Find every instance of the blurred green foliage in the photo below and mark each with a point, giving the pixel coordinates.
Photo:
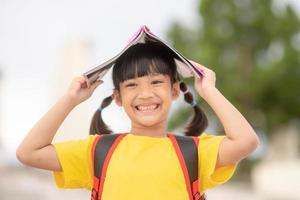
(253, 46)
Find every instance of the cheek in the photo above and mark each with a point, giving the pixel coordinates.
(127, 100)
(166, 98)
(166, 93)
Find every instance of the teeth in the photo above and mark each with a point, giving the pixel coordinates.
(145, 108)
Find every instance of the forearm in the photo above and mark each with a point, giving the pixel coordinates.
(45, 129)
(36, 149)
(235, 125)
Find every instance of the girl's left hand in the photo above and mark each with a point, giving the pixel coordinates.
(206, 82)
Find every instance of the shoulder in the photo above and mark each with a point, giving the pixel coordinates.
(208, 145)
(80, 141)
(207, 136)
(77, 145)
(206, 139)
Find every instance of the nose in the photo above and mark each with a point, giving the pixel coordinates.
(145, 92)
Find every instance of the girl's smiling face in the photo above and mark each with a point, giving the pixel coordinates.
(147, 99)
(146, 81)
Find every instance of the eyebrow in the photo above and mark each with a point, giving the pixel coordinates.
(152, 76)
(158, 75)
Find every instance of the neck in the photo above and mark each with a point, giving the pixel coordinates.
(158, 131)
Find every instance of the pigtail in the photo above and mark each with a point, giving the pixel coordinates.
(97, 125)
(199, 122)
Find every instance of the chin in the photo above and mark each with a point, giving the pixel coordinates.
(149, 122)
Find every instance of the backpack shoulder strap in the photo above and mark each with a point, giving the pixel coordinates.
(102, 150)
(186, 148)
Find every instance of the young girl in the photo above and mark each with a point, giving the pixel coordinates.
(144, 165)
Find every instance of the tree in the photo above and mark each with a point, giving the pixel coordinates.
(254, 48)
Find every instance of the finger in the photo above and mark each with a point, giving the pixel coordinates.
(199, 67)
(96, 84)
(197, 79)
(79, 79)
(83, 84)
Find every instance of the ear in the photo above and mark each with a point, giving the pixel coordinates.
(175, 90)
(117, 97)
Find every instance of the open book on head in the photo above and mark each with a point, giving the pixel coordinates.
(184, 67)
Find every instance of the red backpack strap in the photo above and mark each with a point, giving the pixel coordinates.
(102, 150)
(186, 148)
(196, 183)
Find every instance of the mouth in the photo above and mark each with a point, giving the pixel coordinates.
(147, 108)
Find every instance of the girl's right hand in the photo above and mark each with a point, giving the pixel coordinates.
(78, 90)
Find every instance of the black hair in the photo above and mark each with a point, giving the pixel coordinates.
(140, 60)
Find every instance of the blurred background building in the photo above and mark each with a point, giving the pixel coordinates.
(252, 45)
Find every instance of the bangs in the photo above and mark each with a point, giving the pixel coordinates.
(143, 60)
(142, 67)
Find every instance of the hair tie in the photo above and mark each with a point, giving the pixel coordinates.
(194, 103)
(186, 91)
(99, 109)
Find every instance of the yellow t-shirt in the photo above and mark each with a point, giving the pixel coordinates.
(141, 167)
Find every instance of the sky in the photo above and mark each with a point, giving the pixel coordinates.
(34, 35)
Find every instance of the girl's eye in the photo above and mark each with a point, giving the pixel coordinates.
(157, 82)
(130, 85)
